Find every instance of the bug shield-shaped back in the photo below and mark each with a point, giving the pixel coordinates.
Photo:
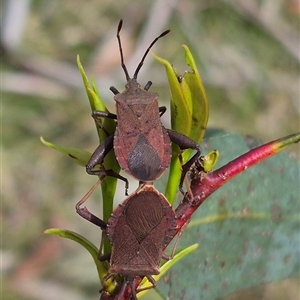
(139, 229)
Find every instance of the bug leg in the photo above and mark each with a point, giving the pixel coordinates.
(133, 292)
(186, 167)
(98, 155)
(151, 280)
(103, 257)
(85, 213)
(97, 115)
(103, 114)
(97, 159)
(162, 110)
(184, 143)
(122, 291)
(112, 173)
(147, 86)
(169, 257)
(185, 180)
(114, 90)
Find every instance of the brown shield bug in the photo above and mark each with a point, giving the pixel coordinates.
(141, 143)
(139, 229)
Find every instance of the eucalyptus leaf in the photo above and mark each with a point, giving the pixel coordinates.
(248, 230)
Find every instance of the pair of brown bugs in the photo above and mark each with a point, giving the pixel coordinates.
(144, 224)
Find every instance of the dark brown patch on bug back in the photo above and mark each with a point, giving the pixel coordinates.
(143, 161)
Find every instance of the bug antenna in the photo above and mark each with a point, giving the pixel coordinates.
(147, 51)
(121, 51)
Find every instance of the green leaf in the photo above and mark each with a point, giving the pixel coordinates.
(210, 160)
(200, 111)
(189, 113)
(91, 90)
(90, 247)
(181, 102)
(96, 103)
(81, 157)
(109, 184)
(248, 230)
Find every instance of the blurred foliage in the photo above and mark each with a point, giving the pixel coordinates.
(246, 52)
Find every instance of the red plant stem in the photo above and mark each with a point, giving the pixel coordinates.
(205, 185)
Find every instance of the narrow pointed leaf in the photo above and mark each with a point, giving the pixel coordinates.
(90, 247)
(189, 113)
(81, 157)
(181, 103)
(96, 103)
(200, 110)
(108, 184)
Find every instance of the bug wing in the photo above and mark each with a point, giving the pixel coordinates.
(137, 231)
(141, 144)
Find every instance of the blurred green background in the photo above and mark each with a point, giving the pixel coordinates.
(248, 56)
